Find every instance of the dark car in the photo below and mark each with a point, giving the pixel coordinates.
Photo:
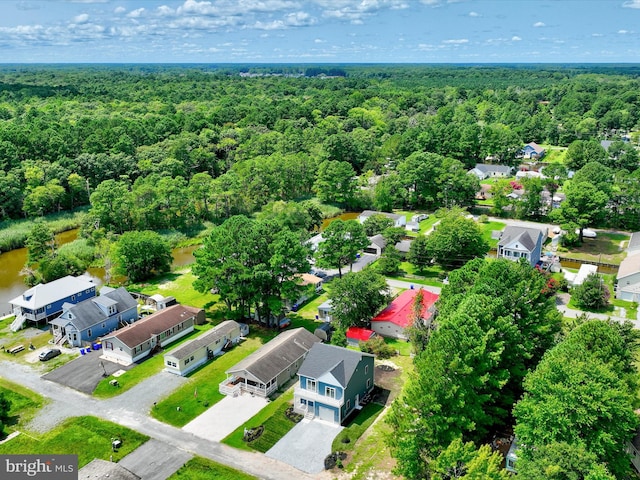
(49, 354)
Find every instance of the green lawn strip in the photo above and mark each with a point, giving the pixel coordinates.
(88, 437)
(371, 454)
(310, 309)
(199, 468)
(275, 422)
(143, 370)
(178, 284)
(24, 404)
(356, 428)
(432, 280)
(205, 381)
(487, 230)
(404, 348)
(606, 248)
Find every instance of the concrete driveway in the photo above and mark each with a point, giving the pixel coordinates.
(85, 372)
(225, 416)
(306, 445)
(155, 460)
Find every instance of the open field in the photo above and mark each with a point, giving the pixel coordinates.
(199, 468)
(24, 405)
(178, 284)
(608, 247)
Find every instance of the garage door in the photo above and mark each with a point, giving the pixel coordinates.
(327, 414)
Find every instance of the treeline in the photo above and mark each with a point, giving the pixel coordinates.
(66, 130)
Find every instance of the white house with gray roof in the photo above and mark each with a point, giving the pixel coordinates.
(270, 367)
(193, 353)
(84, 322)
(486, 170)
(628, 277)
(333, 382)
(398, 220)
(521, 242)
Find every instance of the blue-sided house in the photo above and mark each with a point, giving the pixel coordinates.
(45, 300)
(333, 381)
(522, 242)
(84, 322)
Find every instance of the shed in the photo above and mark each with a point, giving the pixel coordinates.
(324, 311)
(356, 335)
(324, 331)
(398, 316)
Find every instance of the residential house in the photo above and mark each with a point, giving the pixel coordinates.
(324, 311)
(606, 144)
(333, 381)
(193, 353)
(486, 170)
(311, 285)
(270, 367)
(512, 457)
(376, 246)
(633, 449)
(398, 220)
(533, 151)
(521, 242)
(394, 320)
(135, 342)
(520, 174)
(355, 335)
(575, 279)
(45, 300)
(628, 277)
(84, 322)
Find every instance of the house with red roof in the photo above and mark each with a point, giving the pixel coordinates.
(358, 334)
(393, 320)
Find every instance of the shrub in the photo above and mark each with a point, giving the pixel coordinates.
(378, 347)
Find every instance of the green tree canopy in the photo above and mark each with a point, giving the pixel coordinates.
(592, 294)
(342, 241)
(140, 255)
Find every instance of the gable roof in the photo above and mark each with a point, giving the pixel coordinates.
(340, 362)
(308, 279)
(528, 237)
(634, 243)
(486, 168)
(378, 240)
(87, 313)
(277, 355)
(44, 294)
(156, 323)
(219, 331)
(628, 266)
(399, 311)
(359, 333)
(535, 147)
(368, 213)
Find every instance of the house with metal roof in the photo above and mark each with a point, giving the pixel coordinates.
(521, 242)
(355, 335)
(486, 170)
(135, 342)
(270, 367)
(394, 320)
(193, 353)
(45, 300)
(533, 151)
(398, 220)
(83, 323)
(332, 382)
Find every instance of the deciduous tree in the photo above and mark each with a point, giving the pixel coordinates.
(140, 255)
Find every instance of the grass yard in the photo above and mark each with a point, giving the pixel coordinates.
(206, 380)
(606, 248)
(554, 154)
(402, 347)
(199, 468)
(88, 437)
(178, 284)
(352, 432)
(276, 426)
(427, 276)
(24, 404)
(488, 228)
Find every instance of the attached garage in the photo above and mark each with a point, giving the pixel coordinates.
(327, 414)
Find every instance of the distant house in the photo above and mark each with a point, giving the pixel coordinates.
(333, 381)
(310, 284)
(270, 367)
(324, 311)
(135, 342)
(45, 300)
(533, 151)
(355, 335)
(85, 322)
(628, 277)
(193, 353)
(398, 316)
(578, 279)
(403, 246)
(520, 174)
(521, 242)
(485, 170)
(633, 449)
(376, 246)
(398, 220)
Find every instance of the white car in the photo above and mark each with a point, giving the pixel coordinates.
(587, 233)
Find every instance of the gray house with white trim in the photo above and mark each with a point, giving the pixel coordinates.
(521, 242)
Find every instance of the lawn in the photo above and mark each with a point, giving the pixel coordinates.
(427, 276)
(24, 404)
(488, 228)
(199, 468)
(178, 284)
(143, 370)
(276, 425)
(615, 305)
(88, 437)
(205, 381)
(310, 309)
(403, 348)
(606, 248)
(347, 438)
(554, 154)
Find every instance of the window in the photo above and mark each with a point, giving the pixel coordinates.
(104, 325)
(73, 298)
(187, 361)
(49, 307)
(311, 385)
(368, 383)
(330, 392)
(89, 333)
(366, 369)
(348, 404)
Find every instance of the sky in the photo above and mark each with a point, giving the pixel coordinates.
(319, 31)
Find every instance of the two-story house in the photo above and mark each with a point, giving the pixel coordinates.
(521, 242)
(84, 322)
(333, 381)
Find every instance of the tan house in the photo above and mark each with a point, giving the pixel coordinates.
(270, 367)
(135, 342)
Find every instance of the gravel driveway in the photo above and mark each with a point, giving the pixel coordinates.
(306, 445)
(155, 460)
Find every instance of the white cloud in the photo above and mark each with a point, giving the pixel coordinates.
(165, 11)
(82, 18)
(539, 24)
(456, 41)
(516, 38)
(597, 35)
(474, 14)
(622, 32)
(119, 10)
(632, 4)
(137, 13)
(319, 40)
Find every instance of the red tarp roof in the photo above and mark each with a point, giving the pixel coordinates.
(399, 311)
(359, 333)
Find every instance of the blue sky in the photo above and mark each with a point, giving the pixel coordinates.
(319, 31)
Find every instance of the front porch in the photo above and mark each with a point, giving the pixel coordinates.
(234, 386)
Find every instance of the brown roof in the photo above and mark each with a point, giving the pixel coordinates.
(309, 279)
(154, 324)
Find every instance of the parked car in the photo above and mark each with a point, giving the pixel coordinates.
(587, 233)
(49, 354)
(284, 323)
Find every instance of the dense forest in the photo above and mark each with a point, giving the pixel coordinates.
(157, 147)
